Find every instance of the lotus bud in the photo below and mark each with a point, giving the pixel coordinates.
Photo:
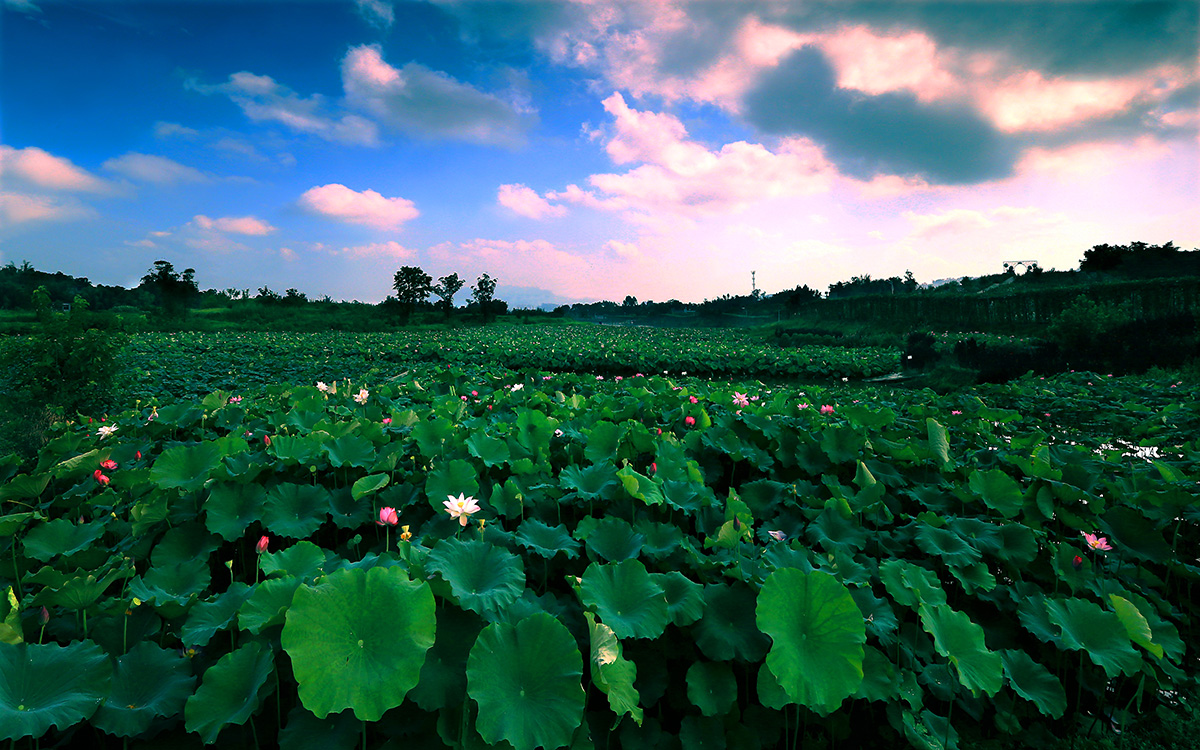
(261, 547)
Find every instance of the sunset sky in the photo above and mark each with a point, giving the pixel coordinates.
(593, 149)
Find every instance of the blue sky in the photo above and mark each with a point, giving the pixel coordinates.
(590, 150)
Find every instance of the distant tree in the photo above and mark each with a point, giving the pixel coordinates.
(412, 286)
(799, 298)
(910, 282)
(174, 291)
(483, 293)
(1103, 257)
(265, 294)
(294, 297)
(445, 289)
(630, 301)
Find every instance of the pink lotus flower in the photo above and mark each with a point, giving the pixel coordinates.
(464, 398)
(235, 399)
(461, 507)
(138, 455)
(956, 412)
(689, 421)
(388, 517)
(1095, 542)
(802, 407)
(261, 547)
(739, 399)
(693, 399)
(475, 393)
(99, 475)
(827, 409)
(387, 420)
(108, 465)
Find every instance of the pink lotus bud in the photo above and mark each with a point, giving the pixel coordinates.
(693, 399)
(388, 517)
(44, 616)
(387, 420)
(1077, 562)
(266, 440)
(138, 455)
(261, 547)
(689, 421)
(654, 468)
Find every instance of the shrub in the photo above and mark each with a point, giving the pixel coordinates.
(1083, 328)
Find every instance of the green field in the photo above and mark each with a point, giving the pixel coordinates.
(683, 539)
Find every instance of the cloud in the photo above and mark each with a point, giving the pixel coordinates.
(953, 221)
(173, 130)
(389, 249)
(264, 100)
(369, 208)
(525, 201)
(623, 249)
(376, 12)
(416, 100)
(16, 208)
(247, 225)
(22, 6)
(38, 169)
(155, 169)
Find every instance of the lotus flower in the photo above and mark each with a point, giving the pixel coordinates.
(1077, 562)
(827, 409)
(1095, 542)
(388, 517)
(106, 431)
(689, 421)
(261, 547)
(322, 387)
(461, 507)
(739, 399)
(235, 399)
(362, 395)
(108, 465)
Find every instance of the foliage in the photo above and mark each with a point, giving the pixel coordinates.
(412, 286)
(173, 291)
(647, 549)
(1082, 329)
(484, 293)
(445, 290)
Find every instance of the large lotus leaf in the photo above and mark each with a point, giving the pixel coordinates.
(626, 598)
(640, 486)
(612, 539)
(81, 590)
(484, 578)
(947, 545)
(1018, 544)
(350, 450)
(961, 641)
(206, 618)
(685, 598)
(491, 450)
(369, 484)
(1032, 612)
(443, 675)
(306, 732)
(662, 539)
(268, 604)
(546, 541)
(303, 560)
(451, 479)
(842, 444)
(230, 691)
(357, 640)
(728, 630)
(295, 511)
(60, 537)
(432, 434)
(817, 635)
(689, 497)
(1097, 632)
(13, 522)
(302, 449)
(711, 687)
(999, 491)
(24, 486)
(612, 673)
(50, 685)
(602, 442)
(1136, 626)
(1034, 683)
(185, 543)
(911, 585)
(172, 584)
(148, 681)
(1136, 535)
(534, 430)
(230, 508)
(186, 467)
(939, 441)
(525, 679)
(880, 681)
(591, 482)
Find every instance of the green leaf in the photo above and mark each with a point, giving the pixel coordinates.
(1034, 683)
(602, 441)
(306, 732)
(591, 482)
(1136, 626)
(50, 685)
(640, 487)
(961, 641)
(218, 613)
(728, 630)
(295, 511)
(185, 467)
(612, 539)
(939, 441)
(947, 545)
(546, 541)
(268, 604)
(303, 560)
(24, 486)
(626, 598)
(817, 634)
(483, 578)
(842, 444)
(350, 450)
(368, 484)
(525, 679)
(711, 687)
(61, 537)
(149, 681)
(612, 673)
(999, 491)
(911, 585)
(357, 640)
(451, 479)
(1133, 533)
(230, 691)
(230, 508)
(685, 598)
(1097, 632)
(491, 450)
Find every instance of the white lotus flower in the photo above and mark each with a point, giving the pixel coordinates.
(461, 507)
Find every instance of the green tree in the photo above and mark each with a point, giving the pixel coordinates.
(412, 285)
(174, 291)
(445, 289)
(483, 293)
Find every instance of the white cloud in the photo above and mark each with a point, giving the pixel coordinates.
(16, 208)
(377, 12)
(953, 221)
(155, 169)
(389, 249)
(623, 249)
(419, 101)
(525, 201)
(247, 225)
(41, 170)
(369, 208)
(173, 129)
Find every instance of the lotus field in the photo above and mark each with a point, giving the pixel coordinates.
(465, 554)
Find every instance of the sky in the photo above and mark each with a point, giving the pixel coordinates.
(591, 149)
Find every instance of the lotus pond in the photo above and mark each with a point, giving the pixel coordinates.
(634, 561)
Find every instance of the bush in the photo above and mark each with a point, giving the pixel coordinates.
(1083, 329)
(920, 351)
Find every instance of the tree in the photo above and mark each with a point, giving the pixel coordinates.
(446, 288)
(483, 293)
(629, 301)
(173, 290)
(412, 285)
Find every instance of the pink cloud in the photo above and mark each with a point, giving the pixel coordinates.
(247, 225)
(623, 249)
(389, 249)
(369, 208)
(953, 221)
(39, 169)
(1089, 159)
(525, 201)
(878, 63)
(16, 208)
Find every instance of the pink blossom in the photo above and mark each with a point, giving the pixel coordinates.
(108, 465)
(956, 412)
(693, 399)
(654, 467)
(387, 420)
(739, 399)
(1096, 542)
(689, 421)
(475, 393)
(261, 547)
(827, 409)
(802, 407)
(388, 516)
